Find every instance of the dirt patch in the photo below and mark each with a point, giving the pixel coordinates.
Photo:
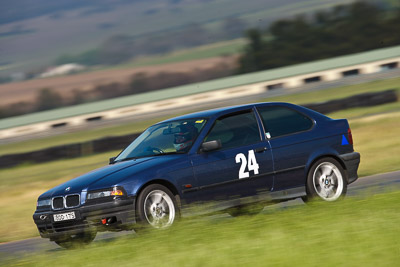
(27, 90)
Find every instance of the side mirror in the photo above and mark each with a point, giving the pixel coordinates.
(211, 145)
(112, 160)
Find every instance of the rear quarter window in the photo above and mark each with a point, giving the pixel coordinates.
(280, 121)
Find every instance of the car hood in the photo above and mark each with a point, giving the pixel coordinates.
(105, 177)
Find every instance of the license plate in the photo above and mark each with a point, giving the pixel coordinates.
(64, 216)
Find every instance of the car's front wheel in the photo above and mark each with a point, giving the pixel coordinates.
(326, 180)
(156, 207)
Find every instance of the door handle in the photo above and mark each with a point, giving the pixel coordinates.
(260, 149)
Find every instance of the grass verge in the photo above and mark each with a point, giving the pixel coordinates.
(353, 232)
(21, 186)
(377, 139)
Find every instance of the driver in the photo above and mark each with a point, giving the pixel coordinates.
(185, 137)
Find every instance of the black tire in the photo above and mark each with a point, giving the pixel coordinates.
(78, 240)
(326, 180)
(156, 207)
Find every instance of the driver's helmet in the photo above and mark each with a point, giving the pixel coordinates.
(185, 137)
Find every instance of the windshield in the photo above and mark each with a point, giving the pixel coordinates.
(164, 139)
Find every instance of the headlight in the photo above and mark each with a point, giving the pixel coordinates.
(116, 191)
(43, 202)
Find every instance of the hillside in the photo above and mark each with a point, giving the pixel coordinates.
(33, 36)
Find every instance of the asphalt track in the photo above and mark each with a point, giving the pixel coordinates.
(364, 186)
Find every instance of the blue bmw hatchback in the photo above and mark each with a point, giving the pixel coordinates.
(230, 158)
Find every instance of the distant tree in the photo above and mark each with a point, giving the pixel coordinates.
(48, 99)
(392, 26)
(16, 109)
(142, 82)
(345, 29)
(172, 79)
(253, 57)
(78, 97)
(110, 90)
(139, 83)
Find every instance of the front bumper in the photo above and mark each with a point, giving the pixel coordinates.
(351, 162)
(121, 211)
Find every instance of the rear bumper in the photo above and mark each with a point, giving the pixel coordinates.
(351, 162)
(121, 212)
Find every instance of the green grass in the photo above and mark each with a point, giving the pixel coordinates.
(378, 142)
(377, 139)
(353, 232)
(20, 187)
(365, 112)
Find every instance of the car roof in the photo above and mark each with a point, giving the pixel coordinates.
(210, 113)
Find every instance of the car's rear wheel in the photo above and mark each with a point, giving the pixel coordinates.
(156, 207)
(326, 180)
(77, 240)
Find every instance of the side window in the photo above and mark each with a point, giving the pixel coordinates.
(235, 130)
(280, 121)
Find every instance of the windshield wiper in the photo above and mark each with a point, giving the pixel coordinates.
(155, 155)
(126, 159)
(168, 153)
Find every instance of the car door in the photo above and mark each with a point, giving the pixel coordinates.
(291, 139)
(242, 167)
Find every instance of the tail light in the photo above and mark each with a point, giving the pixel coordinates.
(350, 136)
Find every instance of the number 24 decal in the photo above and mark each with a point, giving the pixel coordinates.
(251, 164)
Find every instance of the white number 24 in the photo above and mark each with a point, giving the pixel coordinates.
(251, 164)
